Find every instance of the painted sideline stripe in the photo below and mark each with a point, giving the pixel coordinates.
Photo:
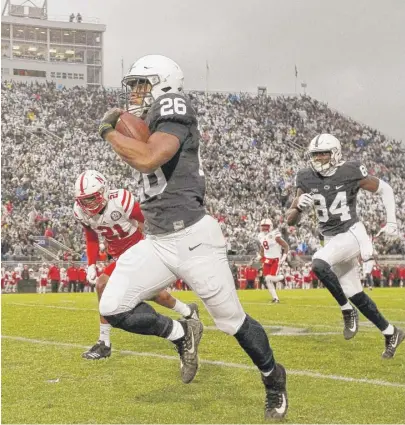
(307, 373)
(311, 306)
(265, 324)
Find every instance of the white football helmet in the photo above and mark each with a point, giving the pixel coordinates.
(149, 78)
(91, 192)
(266, 225)
(325, 143)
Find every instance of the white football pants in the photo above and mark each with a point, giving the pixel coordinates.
(196, 254)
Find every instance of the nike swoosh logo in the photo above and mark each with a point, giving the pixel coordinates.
(353, 328)
(283, 406)
(191, 248)
(338, 187)
(192, 349)
(396, 343)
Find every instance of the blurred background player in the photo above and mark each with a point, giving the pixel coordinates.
(330, 185)
(307, 278)
(43, 278)
(273, 253)
(114, 215)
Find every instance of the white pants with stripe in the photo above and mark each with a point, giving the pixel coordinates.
(196, 254)
(341, 252)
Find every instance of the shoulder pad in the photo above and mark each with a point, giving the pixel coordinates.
(124, 200)
(171, 107)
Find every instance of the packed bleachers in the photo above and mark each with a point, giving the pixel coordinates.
(251, 149)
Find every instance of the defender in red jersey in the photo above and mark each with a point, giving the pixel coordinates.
(115, 216)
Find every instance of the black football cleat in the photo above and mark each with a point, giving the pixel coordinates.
(276, 403)
(97, 352)
(351, 322)
(275, 301)
(392, 342)
(187, 347)
(195, 314)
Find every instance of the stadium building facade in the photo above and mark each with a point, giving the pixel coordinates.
(35, 48)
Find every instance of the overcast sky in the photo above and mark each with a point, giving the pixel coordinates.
(351, 53)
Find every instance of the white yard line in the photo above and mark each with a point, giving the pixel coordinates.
(266, 304)
(307, 373)
(266, 324)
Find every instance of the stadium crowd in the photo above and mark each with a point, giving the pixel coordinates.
(251, 149)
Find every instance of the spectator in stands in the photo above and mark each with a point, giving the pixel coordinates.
(71, 17)
(48, 232)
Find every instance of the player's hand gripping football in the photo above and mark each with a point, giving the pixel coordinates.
(390, 229)
(305, 201)
(109, 121)
(92, 273)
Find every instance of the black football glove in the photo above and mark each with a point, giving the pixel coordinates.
(109, 121)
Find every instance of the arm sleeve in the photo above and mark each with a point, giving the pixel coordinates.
(136, 213)
(91, 245)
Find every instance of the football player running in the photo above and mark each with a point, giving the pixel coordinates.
(273, 253)
(182, 240)
(115, 216)
(330, 185)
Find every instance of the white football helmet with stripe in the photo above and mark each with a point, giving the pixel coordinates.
(91, 192)
(266, 225)
(149, 78)
(325, 143)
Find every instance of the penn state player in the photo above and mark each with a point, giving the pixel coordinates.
(330, 185)
(182, 241)
(114, 215)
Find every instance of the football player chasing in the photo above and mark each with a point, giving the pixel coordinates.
(182, 240)
(273, 253)
(114, 215)
(330, 185)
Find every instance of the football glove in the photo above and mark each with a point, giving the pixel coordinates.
(109, 121)
(92, 273)
(305, 201)
(390, 229)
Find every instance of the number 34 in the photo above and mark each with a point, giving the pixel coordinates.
(171, 106)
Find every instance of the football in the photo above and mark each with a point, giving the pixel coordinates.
(132, 126)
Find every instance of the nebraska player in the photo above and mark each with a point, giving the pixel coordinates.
(306, 273)
(114, 215)
(43, 278)
(273, 252)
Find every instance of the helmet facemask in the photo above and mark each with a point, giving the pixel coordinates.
(137, 93)
(94, 203)
(323, 164)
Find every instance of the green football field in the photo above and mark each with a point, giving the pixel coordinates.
(330, 380)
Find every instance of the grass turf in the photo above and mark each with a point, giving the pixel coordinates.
(44, 379)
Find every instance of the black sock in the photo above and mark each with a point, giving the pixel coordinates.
(367, 306)
(329, 279)
(144, 320)
(253, 339)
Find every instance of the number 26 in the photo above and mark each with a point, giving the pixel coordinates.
(170, 106)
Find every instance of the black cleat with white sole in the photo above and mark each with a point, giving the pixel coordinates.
(351, 322)
(187, 347)
(392, 342)
(97, 352)
(276, 403)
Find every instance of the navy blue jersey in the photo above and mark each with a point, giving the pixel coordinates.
(172, 197)
(334, 196)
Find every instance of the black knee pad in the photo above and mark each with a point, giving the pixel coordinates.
(143, 320)
(320, 267)
(253, 339)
